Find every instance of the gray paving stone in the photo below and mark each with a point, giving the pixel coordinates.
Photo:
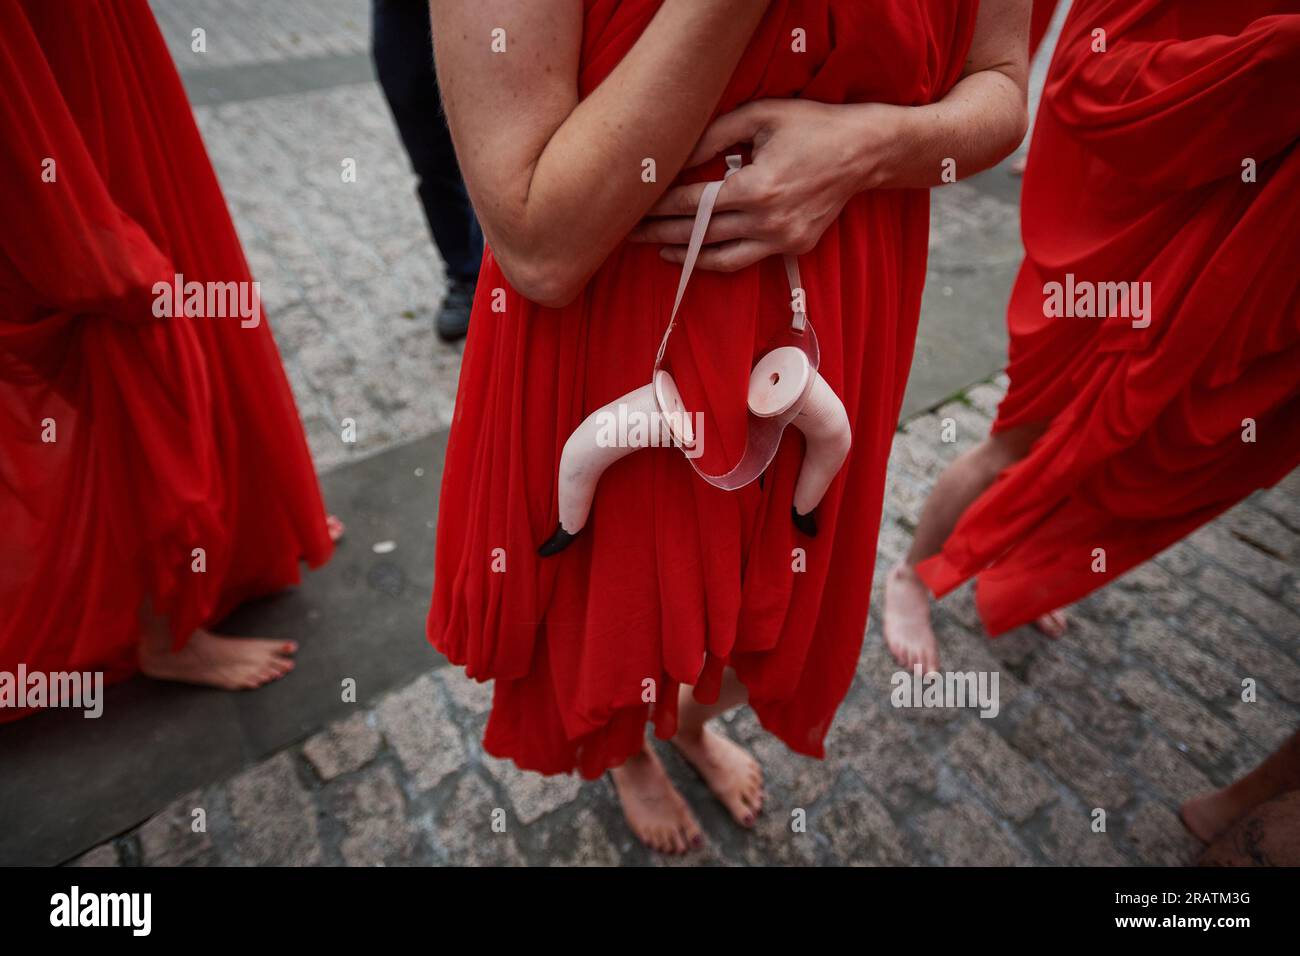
(1169, 771)
(103, 855)
(1260, 568)
(241, 32)
(170, 838)
(1220, 633)
(1190, 725)
(1069, 840)
(420, 729)
(985, 398)
(344, 746)
(468, 695)
(1265, 613)
(1167, 649)
(800, 781)
(1160, 592)
(1092, 773)
(1159, 838)
(960, 606)
(969, 427)
(1009, 781)
(1261, 527)
(881, 750)
(963, 834)
(1017, 649)
(464, 827)
(373, 813)
(1075, 691)
(531, 795)
(274, 816)
(773, 840)
(1180, 559)
(1283, 502)
(1263, 722)
(861, 832)
(582, 842)
(1099, 642)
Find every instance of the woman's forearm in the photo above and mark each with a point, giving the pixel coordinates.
(980, 122)
(587, 190)
(554, 216)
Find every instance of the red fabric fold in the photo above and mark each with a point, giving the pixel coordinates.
(171, 433)
(1136, 175)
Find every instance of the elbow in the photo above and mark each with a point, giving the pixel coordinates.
(1005, 140)
(542, 279)
(1019, 127)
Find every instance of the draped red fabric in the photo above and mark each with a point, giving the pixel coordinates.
(672, 578)
(127, 440)
(1169, 158)
(1039, 20)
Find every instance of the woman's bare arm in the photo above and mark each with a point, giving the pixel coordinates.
(557, 183)
(982, 119)
(810, 158)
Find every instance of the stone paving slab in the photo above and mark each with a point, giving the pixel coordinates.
(245, 32)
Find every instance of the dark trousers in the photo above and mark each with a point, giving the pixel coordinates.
(403, 50)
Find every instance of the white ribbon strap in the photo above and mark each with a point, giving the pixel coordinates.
(702, 216)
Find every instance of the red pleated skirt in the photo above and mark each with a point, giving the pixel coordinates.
(144, 458)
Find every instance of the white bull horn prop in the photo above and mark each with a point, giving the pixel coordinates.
(785, 388)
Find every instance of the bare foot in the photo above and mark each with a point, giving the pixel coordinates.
(908, 633)
(1211, 814)
(727, 768)
(1054, 624)
(654, 809)
(1267, 835)
(231, 663)
(334, 527)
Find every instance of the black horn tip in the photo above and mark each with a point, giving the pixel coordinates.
(557, 542)
(805, 523)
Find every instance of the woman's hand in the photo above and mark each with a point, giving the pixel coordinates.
(809, 159)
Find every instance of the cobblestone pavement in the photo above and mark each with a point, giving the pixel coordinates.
(1136, 709)
(246, 32)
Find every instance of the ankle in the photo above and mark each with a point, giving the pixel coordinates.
(691, 733)
(904, 570)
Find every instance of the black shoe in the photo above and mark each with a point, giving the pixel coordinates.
(453, 317)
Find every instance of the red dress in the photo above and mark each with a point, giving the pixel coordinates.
(169, 434)
(672, 578)
(1136, 175)
(1039, 21)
